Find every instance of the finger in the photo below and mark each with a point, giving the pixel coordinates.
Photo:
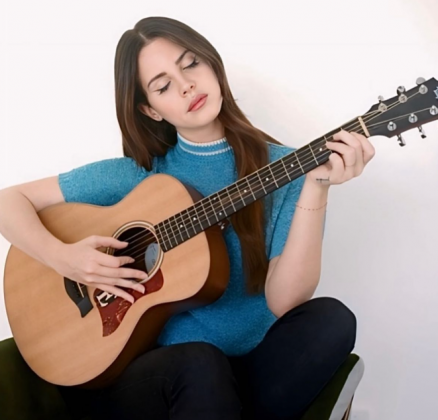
(352, 140)
(124, 273)
(368, 150)
(338, 170)
(111, 281)
(359, 153)
(113, 261)
(115, 291)
(348, 153)
(107, 241)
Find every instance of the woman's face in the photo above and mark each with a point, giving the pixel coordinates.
(170, 95)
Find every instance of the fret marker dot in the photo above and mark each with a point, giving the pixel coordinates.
(292, 164)
(244, 190)
(220, 213)
(320, 149)
(180, 226)
(267, 179)
(194, 218)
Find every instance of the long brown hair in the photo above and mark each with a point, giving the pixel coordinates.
(144, 138)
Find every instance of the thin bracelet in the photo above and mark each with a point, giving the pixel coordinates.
(319, 208)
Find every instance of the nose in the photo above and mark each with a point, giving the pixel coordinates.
(187, 87)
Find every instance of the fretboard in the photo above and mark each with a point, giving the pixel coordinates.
(212, 209)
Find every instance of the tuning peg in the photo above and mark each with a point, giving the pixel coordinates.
(382, 106)
(401, 89)
(423, 134)
(401, 140)
(420, 81)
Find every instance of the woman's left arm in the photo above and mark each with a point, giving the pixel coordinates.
(296, 274)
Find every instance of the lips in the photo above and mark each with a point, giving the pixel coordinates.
(195, 100)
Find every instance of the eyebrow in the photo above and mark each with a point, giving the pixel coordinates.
(164, 73)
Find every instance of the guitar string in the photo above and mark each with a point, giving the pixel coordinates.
(225, 203)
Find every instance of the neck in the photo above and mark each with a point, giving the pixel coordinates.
(206, 134)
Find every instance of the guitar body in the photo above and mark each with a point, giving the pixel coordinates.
(66, 344)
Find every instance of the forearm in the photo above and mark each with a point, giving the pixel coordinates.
(297, 272)
(21, 226)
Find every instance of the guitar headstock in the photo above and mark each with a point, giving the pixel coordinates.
(408, 109)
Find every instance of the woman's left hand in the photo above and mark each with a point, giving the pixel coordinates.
(354, 151)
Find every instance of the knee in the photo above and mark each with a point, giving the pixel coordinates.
(337, 320)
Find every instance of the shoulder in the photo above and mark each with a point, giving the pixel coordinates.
(103, 182)
(276, 151)
(111, 167)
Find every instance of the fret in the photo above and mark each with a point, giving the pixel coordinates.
(222, 204)
(316, 160)
(231, 200)
(273, 176)
(214, 209)
(206, 213)
(265, 174)
(195, 217)
(293, 163)
(246, 191)
(261, 182)
(160, 236)
(249, 186)
(184, 225)
(321, 149)
(243, 201)
(165, 231)
(256, 184)
(284, 166)
(172, 228)
(299, 163)
(186, 211)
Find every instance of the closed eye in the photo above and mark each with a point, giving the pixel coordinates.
(194, 64)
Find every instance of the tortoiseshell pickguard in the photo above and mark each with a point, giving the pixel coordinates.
(113, 313)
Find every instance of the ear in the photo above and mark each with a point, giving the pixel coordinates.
(150, 112)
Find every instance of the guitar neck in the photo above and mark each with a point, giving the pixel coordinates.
(229, 200)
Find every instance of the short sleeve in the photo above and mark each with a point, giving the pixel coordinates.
(102, 183)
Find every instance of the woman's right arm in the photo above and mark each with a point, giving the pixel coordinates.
(19, 222)
(80, 261)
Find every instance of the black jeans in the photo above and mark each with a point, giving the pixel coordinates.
(278, 379)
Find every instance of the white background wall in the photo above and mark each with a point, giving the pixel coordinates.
(298, 70)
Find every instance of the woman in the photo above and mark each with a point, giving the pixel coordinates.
(265, 349)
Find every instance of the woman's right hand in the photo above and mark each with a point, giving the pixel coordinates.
(82, 262)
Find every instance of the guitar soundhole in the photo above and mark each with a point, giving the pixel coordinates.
(144, 248)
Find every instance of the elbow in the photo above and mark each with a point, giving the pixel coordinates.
(280, 307)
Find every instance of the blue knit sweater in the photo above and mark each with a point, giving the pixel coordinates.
(236, 322)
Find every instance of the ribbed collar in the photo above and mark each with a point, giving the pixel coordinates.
(202, 149)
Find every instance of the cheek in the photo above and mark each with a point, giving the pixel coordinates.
(171, 109)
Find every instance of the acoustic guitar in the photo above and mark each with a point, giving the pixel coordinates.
(72, 334)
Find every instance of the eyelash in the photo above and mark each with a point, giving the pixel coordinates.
(194, 64)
